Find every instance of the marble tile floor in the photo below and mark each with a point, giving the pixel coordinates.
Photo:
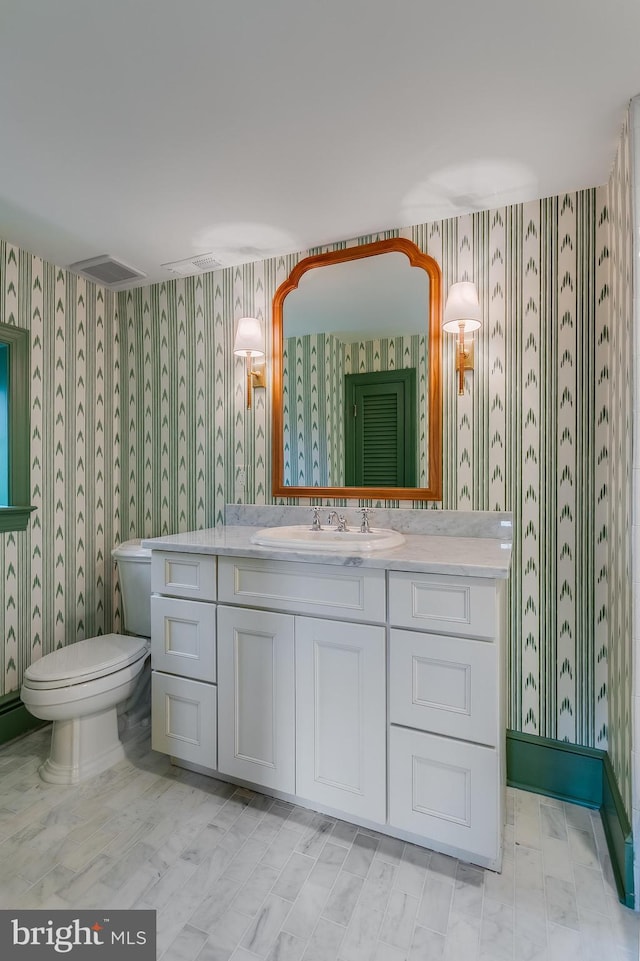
(237, 876)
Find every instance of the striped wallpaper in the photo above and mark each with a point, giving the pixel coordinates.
(57, 576)
(139, 428)
(614, 514)
(313, 410)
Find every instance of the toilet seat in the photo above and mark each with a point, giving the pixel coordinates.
(86, 660)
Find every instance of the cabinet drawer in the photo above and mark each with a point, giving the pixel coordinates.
(448, 685)
(183, 719)
(445, 605)
(183, 637)
(448, 791)
(341, 591)
(181, 574)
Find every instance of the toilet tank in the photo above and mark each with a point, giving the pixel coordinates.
(134, 574)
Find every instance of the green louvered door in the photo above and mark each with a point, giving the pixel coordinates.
(380, 429)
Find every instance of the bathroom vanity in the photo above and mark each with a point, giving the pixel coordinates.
(369, 687)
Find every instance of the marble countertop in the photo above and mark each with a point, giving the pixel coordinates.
(427, 553)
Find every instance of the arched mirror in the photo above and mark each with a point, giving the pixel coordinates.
(357, 402)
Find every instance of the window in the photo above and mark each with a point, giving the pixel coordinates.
(15, 491)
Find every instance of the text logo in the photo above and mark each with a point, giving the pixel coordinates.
(80, 935)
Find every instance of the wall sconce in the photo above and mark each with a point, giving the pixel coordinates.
(462, 314)
(248, 343)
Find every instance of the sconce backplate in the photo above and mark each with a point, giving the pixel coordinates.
(258, 376)
(466, 357)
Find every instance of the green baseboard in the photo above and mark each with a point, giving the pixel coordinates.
(580, 775)
(618, 833)
(16, 720)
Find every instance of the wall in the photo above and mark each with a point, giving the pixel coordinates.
(57, 576)
(617, 451)
(523, 437)
(630, 146)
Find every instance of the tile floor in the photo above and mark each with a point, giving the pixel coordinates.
(236, 876)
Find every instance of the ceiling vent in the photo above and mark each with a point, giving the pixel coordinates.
(107, 271)
(194, 265)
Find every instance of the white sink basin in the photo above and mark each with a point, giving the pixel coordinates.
(328, 539)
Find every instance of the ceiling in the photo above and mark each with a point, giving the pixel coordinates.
(157, 130)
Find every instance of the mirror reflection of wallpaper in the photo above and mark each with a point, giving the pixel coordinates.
(313, 411)
(313, 400)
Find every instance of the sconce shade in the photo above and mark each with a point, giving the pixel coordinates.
(249, 340)
(463, 307)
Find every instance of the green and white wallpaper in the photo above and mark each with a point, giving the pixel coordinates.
(614, 510)
(139, 427)
(313, 410)
(57, 576)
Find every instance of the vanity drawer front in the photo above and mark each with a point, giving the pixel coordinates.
(446, 790)
(445, 605)
(183, 719)
(448, 685)
(183, 637)
(181, 574)
(341, 591)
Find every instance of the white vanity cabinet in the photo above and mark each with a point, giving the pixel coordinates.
(183, 657)
(301, 707)
(446, 737)
(302, 700)
(369, 693)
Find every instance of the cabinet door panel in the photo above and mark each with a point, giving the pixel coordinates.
(446, 790)
(256, 697)
(183, 719)
(340, 710)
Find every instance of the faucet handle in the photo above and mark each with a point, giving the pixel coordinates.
(364, 527)
(315, 519)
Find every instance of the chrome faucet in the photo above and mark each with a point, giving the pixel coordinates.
(364, 527)
(340, 518)
(315, 521)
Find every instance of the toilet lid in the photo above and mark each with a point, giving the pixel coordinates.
(86, 660)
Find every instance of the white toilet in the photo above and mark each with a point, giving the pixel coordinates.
(80, 687)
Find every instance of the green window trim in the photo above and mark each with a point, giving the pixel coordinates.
(14, 518)
(15, 515)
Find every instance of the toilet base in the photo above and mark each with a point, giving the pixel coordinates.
(83, 747)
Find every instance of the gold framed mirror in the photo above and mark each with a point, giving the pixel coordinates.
(356, 382)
